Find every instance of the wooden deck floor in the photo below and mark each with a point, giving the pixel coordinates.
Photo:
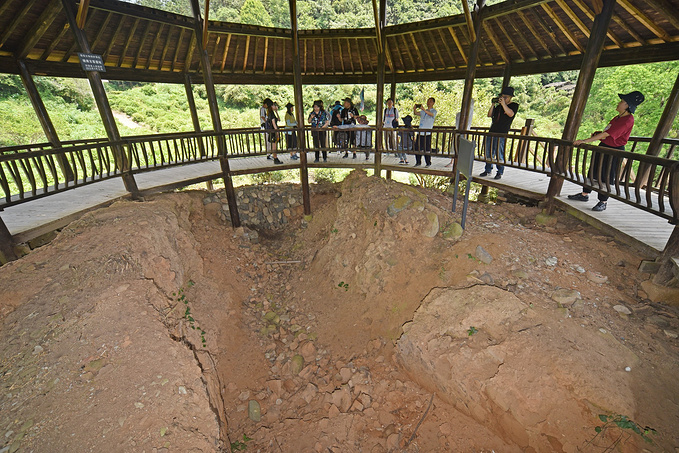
(34, 218)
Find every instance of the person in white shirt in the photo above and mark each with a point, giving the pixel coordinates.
(423, 144)
(391, 118)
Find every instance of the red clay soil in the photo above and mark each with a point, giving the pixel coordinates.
(155, 327)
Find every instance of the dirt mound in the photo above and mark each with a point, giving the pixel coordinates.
(154, 326)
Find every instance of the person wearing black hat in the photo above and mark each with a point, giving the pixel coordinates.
(291, 135)
(615, 135)
(349, 114)
(502, 112)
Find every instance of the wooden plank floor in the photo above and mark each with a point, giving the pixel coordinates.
(36, 217)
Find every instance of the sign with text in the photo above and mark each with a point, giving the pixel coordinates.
(91, 62)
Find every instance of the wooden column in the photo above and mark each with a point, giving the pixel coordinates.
(214, 115)
(380, 20)
(392, 93)
(6, 243)
(44, 118)
(666, 272)
(465, 110)
(299, 109)
(103, 106)
(507, 76)
(194, 119)
(590, 62)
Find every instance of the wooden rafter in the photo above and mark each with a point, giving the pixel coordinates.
(141, 43)
(204, 36)
(359, 54)
(235, 54)
(668, 11)
(511, 40)
(275, 55)
(305, 56)
(548, 31)
(432, 38)
(538, 37)
(314, 46)
(215, 51)
(188, 59)
(82, 13)
(285, 49)
(64, 29)
(69, 52)
(458, 44)
(247, 53)
(564, 29)
(644, 20)
(516, 31)
(590, 15)
(102, 30)
(163, 54)
(496, 42)
(266, 52)
(470, 21)
(226, 52)
(175, 57)
(341, 55)
(255, 54)
(39, 28)
(9, 29)
(114, 38)
(418, 53)
(428, 53)
(625, 26)
(410, 54)
(154, 45)
(482, 47)
(121, 58)
(368, 53)
(351, 55)
(443, 39)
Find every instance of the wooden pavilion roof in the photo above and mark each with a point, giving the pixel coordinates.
(144, 44)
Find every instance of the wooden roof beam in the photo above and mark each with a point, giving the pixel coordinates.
(113, 39)
(9, 29)
(431, 36)
(121, 58)
(247, 52)
(510, 7)
(496, 42)
(668, 10)
(469, 21)
(39, 28)
(590, 15)
(410, 54)
(564, 29)
(166, 46)
(418, 52)
(644, 20)
(351, 55)
(82, 13)
(625, 26)
(444, 40)
(360, 56)
(193, 43)
(142, 12)
(458, 44)
(235, 55)
(55, 41)
(266, 53)
(254, 55)
(341, 55)
(141, 44)
(226, 52)
(102, 30)
(512, 41)
(517, 32)
(548, 30)
(215, 51)
(154, 45)
(205, 24)
(529, 25)
(180, 38)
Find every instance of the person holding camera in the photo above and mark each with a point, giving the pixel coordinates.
(427, 117)
(502, 111)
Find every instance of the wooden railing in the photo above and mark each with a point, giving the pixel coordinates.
(35, 171)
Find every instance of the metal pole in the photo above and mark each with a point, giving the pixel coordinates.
(465, 111)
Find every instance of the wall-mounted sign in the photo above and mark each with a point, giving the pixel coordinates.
(91, 62)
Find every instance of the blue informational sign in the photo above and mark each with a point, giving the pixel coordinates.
(91, 62)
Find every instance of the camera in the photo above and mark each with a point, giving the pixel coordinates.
(495, 100)
(418, 106)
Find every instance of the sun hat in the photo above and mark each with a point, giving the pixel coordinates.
(289, 104)
(633, 100)
(509, 91)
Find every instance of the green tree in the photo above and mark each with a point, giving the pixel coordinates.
(253, 12)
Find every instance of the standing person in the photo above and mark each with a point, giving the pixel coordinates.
(318, 118)
(291, 136)
(427, 117)
(502, 112)
(272, 125)
(390, 121)
(262, 120)
(615, 135)
(406, 139)
(349, 114)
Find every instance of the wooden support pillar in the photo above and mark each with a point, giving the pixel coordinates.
(214, 114)
(97, 86)
(299, 109)
(465, 110)
(392, 92)
(590, 62)
(380, 21)
(194, 119)
(44, 118)
(6, 243)
(666, 272)
(506, 76)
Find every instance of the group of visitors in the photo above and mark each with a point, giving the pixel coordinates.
(351, 130)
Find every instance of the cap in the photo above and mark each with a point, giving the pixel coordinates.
(509, 91)
(289, 104)
(633, 100)
(348, 100)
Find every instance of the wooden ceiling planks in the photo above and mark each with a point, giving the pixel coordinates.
(524, 33)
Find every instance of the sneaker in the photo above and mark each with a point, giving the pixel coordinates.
(498, 176)
(354, 156)
(294, 157)
(268, 157)
(277, 161)
(579, 197)
(316, 160)
(600, 206)
(427, 166)
(345, 155)
(401, 161)
(485, 173)
(405, 162)
(416, 165)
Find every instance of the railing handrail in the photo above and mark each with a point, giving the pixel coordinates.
(39, 172)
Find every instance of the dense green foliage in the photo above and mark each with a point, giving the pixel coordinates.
(161, 108)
